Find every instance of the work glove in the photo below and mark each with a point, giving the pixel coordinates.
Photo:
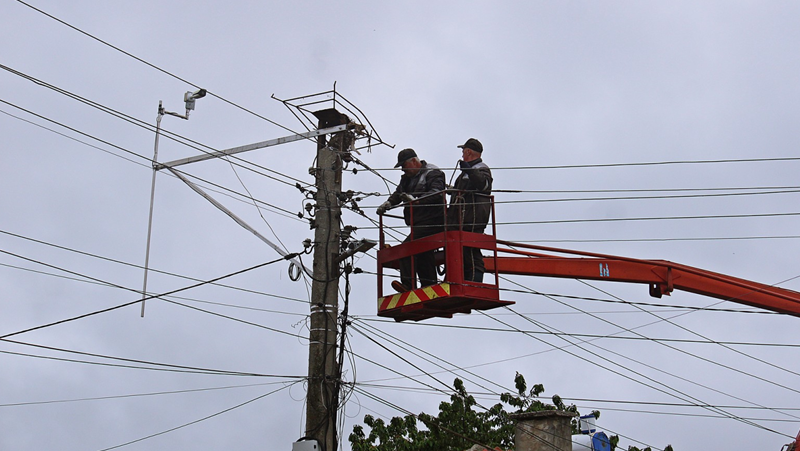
(383, 207)
(405, 197)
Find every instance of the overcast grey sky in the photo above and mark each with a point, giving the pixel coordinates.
(542, 84)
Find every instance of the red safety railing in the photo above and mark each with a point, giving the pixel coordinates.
(453, 294)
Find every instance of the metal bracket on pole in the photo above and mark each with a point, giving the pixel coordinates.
(249, 147)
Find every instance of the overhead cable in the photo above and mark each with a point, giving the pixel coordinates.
(283, 211)
(203, 148)
(137, 395)
(126, 304)
(660, 319)
(134, 265)
(154, 66)
(154, 366)
(200, 419)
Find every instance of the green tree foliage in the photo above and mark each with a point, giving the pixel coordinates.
(459, 425)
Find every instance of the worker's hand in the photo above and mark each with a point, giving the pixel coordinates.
(383, 207)
(464, 165)
(405, 197)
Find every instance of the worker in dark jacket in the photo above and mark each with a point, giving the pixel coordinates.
(420, 179)
(470, 206)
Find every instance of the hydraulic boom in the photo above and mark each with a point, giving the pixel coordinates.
(662, 276)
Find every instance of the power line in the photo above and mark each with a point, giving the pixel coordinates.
(232, 318)
(613, 301)
(147, 126)
(288, 213)
(696, 415)
(604, 409)
(133, 265)
(581, 335)
(570, 399)
(653, 163)
(75, 130)
(74, 139)
(200, 301)
(601, 348)
(670, 391)
(663, 197)
(126, 304)
(426, 373)
(636, 164)
(394, 339)
(154, 66)
(138, 395)
(407, 412)
(653, 218)
(750, 192)
(656, 218)
(200, 419)
(660, 319)
(158, 365)
(669, 321)
(163, 297)
(645, 190)
(127, 159)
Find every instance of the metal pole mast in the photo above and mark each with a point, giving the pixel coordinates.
(322, 400)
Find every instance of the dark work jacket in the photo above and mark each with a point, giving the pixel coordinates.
(428, 211)
(471, 206)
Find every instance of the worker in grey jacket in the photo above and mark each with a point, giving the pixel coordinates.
(419, 180)
(470, 206)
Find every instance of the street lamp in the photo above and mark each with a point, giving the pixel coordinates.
(189, 98)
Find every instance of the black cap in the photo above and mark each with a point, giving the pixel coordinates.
(473, 144)
(405, 155)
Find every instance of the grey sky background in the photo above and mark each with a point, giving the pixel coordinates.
(542, 84)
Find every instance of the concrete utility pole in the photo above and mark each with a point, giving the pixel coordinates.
(322, 401)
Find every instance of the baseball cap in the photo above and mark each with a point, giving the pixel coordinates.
(404, 155)
(473, 144)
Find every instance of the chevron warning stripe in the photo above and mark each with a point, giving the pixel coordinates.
(413, 297)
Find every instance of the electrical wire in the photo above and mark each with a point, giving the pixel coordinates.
(664, 388)
(396, 340)
(580, 335)
(200, 301)
(645, 190)
(166, 298)
(686, 329)
(622, 329)
(74, 139)
(137, 266)
(627, 198)
(75, 130)
(489, 395)
(408, 412)
(637, 164)
(255, 201)
(158, 365)
(136, 395)
(199, 420)
(627, 376)
(126, 304)
(203, 148)
(544, 442)
(653, 218)
(154, 66)
(613, 301)
(283, 211)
